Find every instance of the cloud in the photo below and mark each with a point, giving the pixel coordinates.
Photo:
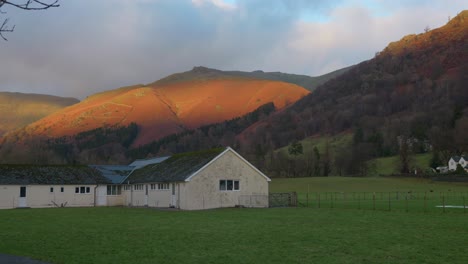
(88, 46)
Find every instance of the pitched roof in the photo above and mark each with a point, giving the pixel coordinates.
(114, 173)
(176, 168)
(140, 163)
(50, 174)
(457, 158)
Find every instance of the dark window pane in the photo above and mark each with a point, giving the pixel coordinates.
(109, 190)
(119, 190)
(222, 185)
(88, 189)
(77, 190)
(236, 185)
(229, 185)
(61, 189)
(23, 191)
(82, 189)
(51, 189)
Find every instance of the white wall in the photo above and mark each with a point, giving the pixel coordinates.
(40, 196)
(202, 191)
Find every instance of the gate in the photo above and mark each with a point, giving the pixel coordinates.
(283, 199)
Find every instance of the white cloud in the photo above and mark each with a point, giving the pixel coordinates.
(87, 46)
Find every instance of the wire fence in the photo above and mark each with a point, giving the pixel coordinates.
(443, 202)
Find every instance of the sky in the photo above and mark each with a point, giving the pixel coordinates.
(88, 46)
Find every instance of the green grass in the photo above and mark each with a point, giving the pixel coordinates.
(282, 235)
(376, 193)
(389, 165)
(335, 142)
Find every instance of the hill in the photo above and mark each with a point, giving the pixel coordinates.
(201, 73)
(20, 109)
(414, 92)
(139, 114)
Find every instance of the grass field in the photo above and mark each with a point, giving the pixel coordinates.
(389, 165)
(281, 235)
(334, 233)
(308, 144)
(377, 193)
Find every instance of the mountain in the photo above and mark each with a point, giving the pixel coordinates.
(20, 109)
(203, 73)
(163, 108)
(414, 92)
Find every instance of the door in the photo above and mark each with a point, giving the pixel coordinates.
(173, 196)
(146, 195)
(101, 196)
(22, 197)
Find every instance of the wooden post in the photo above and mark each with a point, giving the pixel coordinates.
(425, 202)
(389, 203)
(464, 205)
(443, 202)
(406, 202)
(359, 201)
(373, 201)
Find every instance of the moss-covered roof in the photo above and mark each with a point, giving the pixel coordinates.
(50, 174)
(176, 168)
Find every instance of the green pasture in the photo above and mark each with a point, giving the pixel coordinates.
(334, 144)
(390, 165)
(377, 193)
(275, 235)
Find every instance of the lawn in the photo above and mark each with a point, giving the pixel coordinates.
(389, 165)
(280, 235)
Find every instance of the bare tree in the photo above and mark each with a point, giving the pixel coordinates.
(24, 5)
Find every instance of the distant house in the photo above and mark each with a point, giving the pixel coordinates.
(191, 181)
(458, 160)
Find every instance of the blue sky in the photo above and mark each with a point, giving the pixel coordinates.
(88, 46)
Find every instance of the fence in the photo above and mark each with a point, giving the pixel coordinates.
(443, 202)
(283, 199)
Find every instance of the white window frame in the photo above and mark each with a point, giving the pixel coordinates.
(82, 190)
(226, 185)
(113, 190)
(138, 187)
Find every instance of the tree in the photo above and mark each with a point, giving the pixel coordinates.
(405, 155)
(295, 148)
(24, 5)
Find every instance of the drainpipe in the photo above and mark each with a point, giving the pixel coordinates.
(95, 188)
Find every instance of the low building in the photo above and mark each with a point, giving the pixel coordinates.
(48, 186)
(198, 180)
(191, 181)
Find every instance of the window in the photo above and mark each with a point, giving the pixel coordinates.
(153, 186)
(138, 187)
(22, 191)
(229, 185)
(61, 189)
(114, 189)
(127, 187)
(163, 186)
(82, 189)
(51, 189)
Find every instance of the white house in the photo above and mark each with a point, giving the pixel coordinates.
(190, 181)
(198, 180)
(456, 160)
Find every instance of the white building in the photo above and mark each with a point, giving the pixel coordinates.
(458, 160)
(190, 181)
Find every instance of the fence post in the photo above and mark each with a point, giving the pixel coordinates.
(331, 199)
(307, 196)
(373, 201)
(406, 202)
(425, 203)
(389, 203)
(319, 200)
(443, 202)
(359, 201)
(464, 205)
